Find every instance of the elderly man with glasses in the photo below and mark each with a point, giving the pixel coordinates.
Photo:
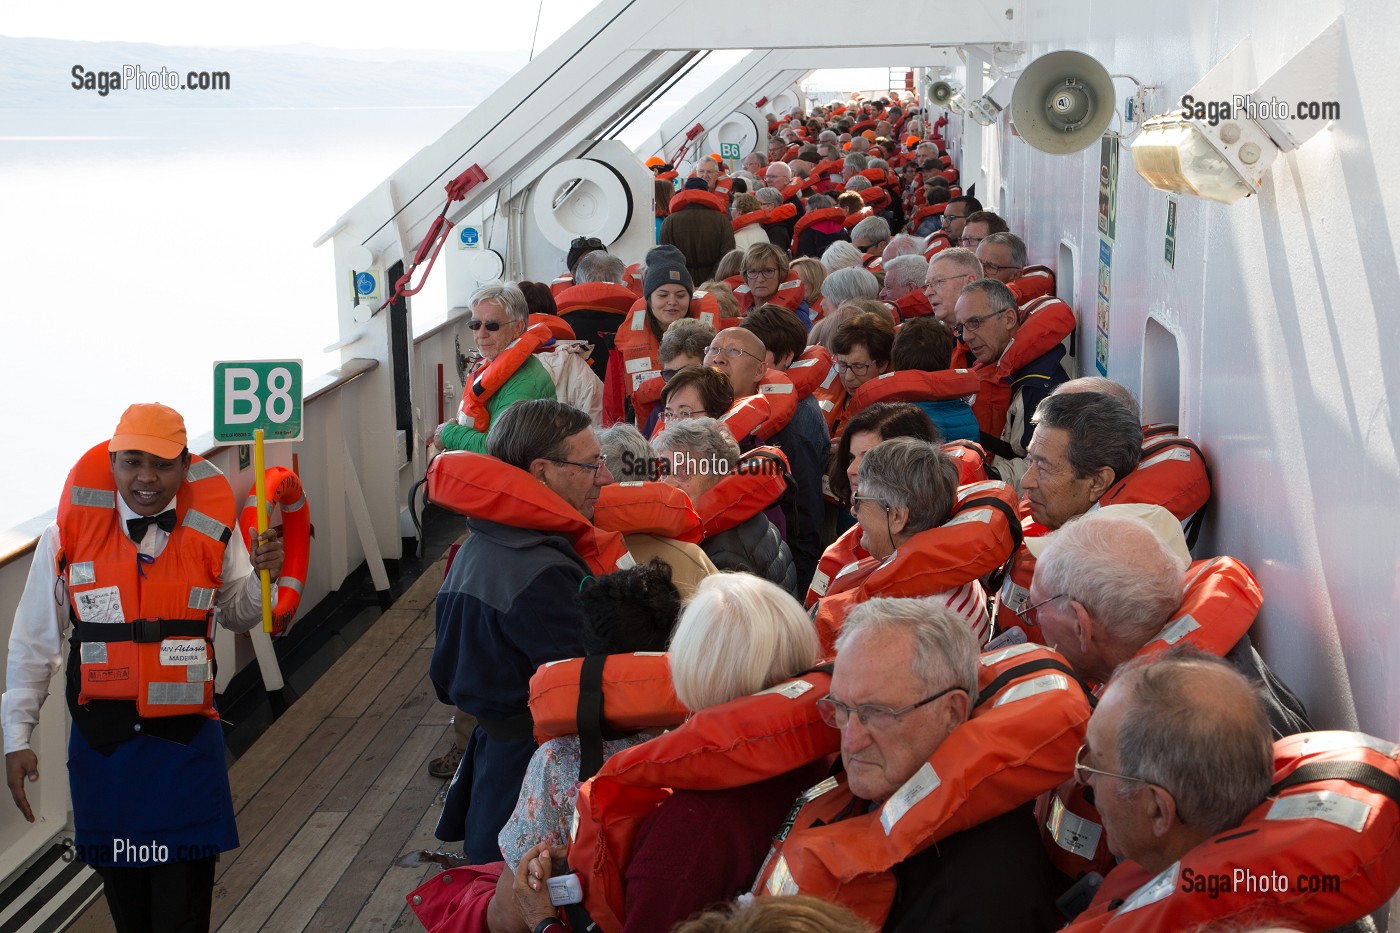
(986, 320)
(499, 317)
(904, 680)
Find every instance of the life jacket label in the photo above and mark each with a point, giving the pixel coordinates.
(819, 583)
(101, 605)
(640, 364)
(776, 388)
(781, 882)
(176, 652)
(924, 782)
(1013, 597)
(792, 689)
(1155, 890)
(82, 574)
(639, 378)
(1322, 805)
(1075, 834)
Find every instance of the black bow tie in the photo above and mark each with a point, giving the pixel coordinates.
(136, 527)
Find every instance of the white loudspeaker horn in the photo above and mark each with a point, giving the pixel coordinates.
(1062, 102)
(940, 92)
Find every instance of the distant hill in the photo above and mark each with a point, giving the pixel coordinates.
(38, 74)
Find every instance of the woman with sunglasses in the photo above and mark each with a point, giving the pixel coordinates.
(499, 317)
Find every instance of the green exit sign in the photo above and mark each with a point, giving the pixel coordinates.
(254, 394)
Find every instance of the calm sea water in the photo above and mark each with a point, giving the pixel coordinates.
(141, 247)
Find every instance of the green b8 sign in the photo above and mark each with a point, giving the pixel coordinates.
(729, 151)
(256, 394)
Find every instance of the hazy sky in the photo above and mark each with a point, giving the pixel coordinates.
(427, 24)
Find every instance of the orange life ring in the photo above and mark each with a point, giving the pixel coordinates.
(284, 488)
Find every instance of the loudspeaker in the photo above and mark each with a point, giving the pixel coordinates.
(1063, 102)
(940, 92)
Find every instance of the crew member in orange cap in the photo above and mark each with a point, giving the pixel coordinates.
(143, 559)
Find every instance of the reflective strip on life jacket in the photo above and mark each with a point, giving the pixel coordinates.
(766, 413)
(1021, 739)
(1322, 850)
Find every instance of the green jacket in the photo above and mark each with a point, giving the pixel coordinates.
(531, 380)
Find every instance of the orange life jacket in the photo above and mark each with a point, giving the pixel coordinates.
(647, 508)
(641, 348)
(144, 628)
(980, 535)
(924, 213)
(636, 689)
(914, 385)
(558, 327)
(756, 483)
(814, 373)
(938, 241)
(1172, 473)
(595, 296)
(1020, 740)
(483, 487)
(1220, 603)
(790, 294)
(646, 397)
(706, 199)
(815, 217)
(490, 377)
(855, 218)
(766, 413)
(842, 552)
(735, 744)
(633, 276)
(560, 283)
(1322, 850)
(970, 459)
(1033, 282)
(283, 489)
(877, 198)
(914, 304)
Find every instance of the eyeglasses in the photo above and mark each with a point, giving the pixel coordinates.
(592, 242)
(760, 273)
(732, 352)
(491, 326)
(869, 246)
(1081, 770)
(992, 268)
(859, 369)
(938, 281)
(970, 241)
(947, 216)
(857, 500)
(595, 467)
(1029, 614)
(684, 415)
(973, 324)
(872, 716)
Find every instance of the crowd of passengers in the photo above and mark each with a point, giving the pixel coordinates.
(886, 621)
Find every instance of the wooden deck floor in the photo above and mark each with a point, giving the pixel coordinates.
(337, 790)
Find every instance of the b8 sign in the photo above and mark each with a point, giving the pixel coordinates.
(256, 394)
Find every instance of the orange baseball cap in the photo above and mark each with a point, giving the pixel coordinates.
(714, 157)
(654, 161)
(911, 141)
(153, 428)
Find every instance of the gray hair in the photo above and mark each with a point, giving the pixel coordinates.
(879, 163)
(1197, 728)
(908, 473)
(902, 244)
(738, 635)
(945, 650)
(750, 179)
(857, 183)
(1102, 432)
(998, 295)
(857, 160)
(871, 228)
(599, 266)
(704, 439)
(506, 294)
(761, 156)
(849, 283)
(625, 447)
(533, 428)
(959, 258)
(842, 255)
(688, 336)
(1018, 246)
(1119, 570)
(771, 196)
(906, 271)
(819, 201)
(1103, 386)
(827, 136)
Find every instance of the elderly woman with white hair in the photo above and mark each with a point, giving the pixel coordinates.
(842, 255)
(700, 453)
(740, 635)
